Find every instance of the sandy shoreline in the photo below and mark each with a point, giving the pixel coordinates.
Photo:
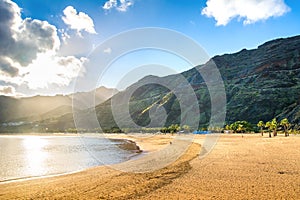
(248, 167)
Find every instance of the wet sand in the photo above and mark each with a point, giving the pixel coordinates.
(248, 167)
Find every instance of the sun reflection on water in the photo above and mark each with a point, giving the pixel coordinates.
(35, 155)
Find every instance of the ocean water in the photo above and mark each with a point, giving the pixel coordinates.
(26, 156)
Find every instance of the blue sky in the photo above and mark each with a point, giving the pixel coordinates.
(76, 27)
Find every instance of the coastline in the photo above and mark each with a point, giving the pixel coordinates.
(127, 142)
(122, 142)
(103, 171)
(237, 168)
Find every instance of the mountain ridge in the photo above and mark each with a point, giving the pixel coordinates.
(260, 84)
(39, 107)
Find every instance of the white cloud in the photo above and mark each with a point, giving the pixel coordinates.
(55, 71)
(110, 4)
(21, 40)
(250, 11)
(64, 35)
(78, 21)
(120, 5)
(29, 53)
(125, 4)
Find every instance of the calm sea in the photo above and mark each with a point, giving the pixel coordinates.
(33, 156)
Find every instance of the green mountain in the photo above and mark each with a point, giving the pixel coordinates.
(263, 83)
(260, 84)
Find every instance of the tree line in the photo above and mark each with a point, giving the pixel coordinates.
(272, 126)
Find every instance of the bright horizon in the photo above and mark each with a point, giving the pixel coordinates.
(45, 45)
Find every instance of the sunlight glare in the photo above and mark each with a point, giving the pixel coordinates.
(35, 155)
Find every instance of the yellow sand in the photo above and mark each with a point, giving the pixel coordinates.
(248, 167)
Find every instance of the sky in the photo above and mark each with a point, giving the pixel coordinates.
(47, 46)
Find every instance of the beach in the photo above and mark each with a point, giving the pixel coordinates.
(239, 167)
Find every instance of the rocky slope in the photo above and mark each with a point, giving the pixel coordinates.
(263, 83)
(260, 84)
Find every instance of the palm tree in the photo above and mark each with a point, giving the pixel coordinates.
(274, 126)
(285, 123)
(240, 128)
(261, 125)
(269, 125)
(174, 128)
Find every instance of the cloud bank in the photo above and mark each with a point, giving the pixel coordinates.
(250, 11)
(121, 5)
(7, 90)
(28, 52)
